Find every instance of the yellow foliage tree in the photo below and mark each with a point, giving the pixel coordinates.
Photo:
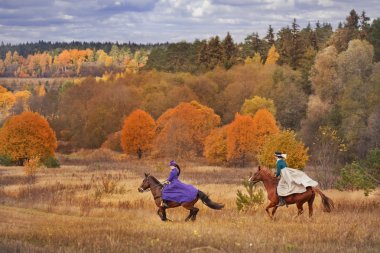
(264, 124)
(240, 140)
(286, 142)
(7, 100)
(23, 98)
(26, 136)
(273, 56)
(216, 146)
(138, 133)
(251, 106)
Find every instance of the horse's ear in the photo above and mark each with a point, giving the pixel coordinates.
(146, 174)
(259, 168)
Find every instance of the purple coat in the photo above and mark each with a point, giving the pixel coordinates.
(177, 191)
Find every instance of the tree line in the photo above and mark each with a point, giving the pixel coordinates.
(332, 106)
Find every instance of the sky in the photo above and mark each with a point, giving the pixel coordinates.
(151, 21)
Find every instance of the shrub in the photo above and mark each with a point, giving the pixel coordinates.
(51, 162)
(372, 163)
(252, 200)
(31, 167)
(355, 177)
(5, 160)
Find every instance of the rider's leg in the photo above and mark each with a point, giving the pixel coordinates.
(281, 201)
(164, 204)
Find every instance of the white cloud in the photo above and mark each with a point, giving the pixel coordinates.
(164, 20)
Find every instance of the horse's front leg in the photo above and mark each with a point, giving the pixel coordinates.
(162, 213)
(271, 204)
(300, 208)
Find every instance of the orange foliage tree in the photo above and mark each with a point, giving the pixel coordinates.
(138, 133)
(286, 142)
(264, 124)
(215, 149)
(182, 130)
(241, 140)
(27, 136)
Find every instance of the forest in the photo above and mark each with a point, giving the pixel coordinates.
(313, 87)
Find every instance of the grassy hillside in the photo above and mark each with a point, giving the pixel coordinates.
(69, 210)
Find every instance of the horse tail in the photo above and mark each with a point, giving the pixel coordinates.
(328, 204)
(208, 202)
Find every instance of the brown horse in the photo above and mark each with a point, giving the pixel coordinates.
(150, 182)
(270, 184)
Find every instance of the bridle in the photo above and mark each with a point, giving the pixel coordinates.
(156, 185)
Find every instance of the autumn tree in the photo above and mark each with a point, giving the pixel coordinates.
(138, 133)
(272, 56)
(84, 111)
(183, 129)
(264, 124)
(216, 146)
(286, 142)
(324, 75)
(27, 136)
(251, 106)
(7, 100)
(241, 141)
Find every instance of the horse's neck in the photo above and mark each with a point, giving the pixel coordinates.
(155, 187)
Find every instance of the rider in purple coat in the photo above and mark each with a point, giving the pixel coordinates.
(175, 190)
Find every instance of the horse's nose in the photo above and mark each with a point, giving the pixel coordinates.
(141, 189)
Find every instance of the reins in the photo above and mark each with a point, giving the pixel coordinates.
(156, 185)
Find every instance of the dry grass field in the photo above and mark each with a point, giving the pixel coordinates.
(97, 208)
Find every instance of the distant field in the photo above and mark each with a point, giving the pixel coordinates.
(68, 210)
(16, 84)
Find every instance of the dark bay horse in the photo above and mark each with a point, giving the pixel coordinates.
(150, 182)
(270, 183)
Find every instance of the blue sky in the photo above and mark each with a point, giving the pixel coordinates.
(144, 21)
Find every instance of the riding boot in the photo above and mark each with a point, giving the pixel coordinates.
(281, 201)
(164, 204)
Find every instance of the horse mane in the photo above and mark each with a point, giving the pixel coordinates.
(266, 171)
(155, 180)
(269, 173)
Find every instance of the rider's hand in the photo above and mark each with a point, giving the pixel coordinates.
(166, 182)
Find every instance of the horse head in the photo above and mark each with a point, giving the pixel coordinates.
(145, 185)
(260, 175)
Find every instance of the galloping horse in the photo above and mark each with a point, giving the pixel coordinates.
(270, 184)
(150, 182)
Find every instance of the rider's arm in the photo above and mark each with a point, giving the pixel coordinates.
(172, 175)
(279, 166)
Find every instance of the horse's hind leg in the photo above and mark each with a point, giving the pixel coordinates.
(189, 216)
(195, 211)
(310, 204)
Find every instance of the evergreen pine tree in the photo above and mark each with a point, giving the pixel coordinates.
(229, 51)
(270, 36)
